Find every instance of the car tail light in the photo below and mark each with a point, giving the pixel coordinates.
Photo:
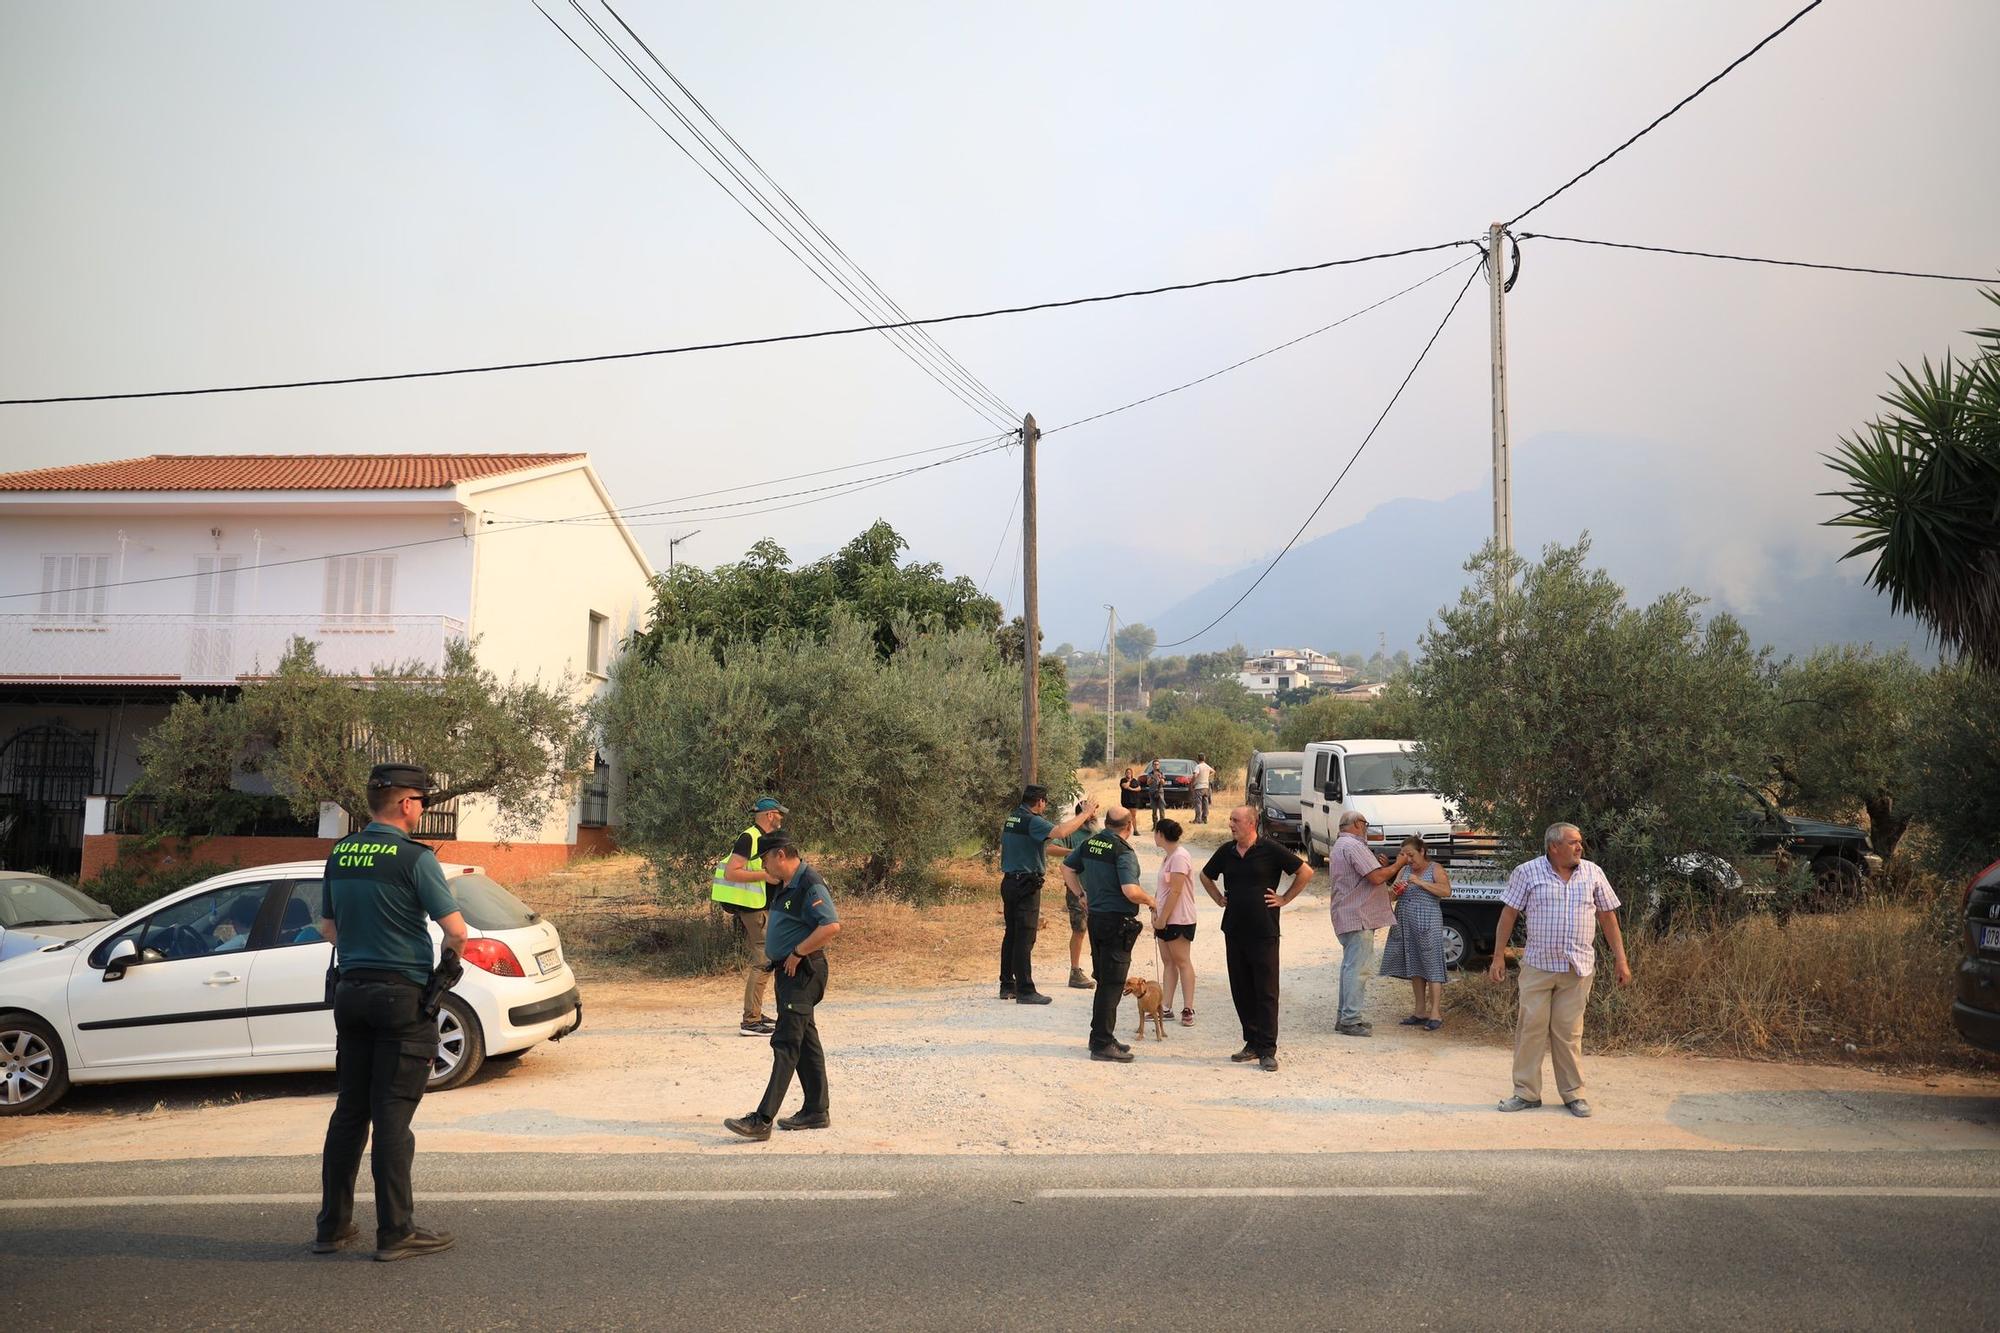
(493, 956)
(1973, 883)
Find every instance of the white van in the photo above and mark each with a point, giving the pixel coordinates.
(1373, 777)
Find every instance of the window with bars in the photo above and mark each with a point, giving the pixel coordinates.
(73, 586)
(360, 586)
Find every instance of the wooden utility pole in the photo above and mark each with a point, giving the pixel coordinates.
(1031, 628)
(1110, 686)
(1503, 466)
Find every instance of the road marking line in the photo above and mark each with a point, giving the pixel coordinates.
(1838, 1191)
(1261, 1192)
(460, 1196)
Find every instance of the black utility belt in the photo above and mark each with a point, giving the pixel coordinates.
(374, 976)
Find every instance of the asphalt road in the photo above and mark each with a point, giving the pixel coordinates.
(1493, 1240)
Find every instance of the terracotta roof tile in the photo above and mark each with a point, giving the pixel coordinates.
(276, 472)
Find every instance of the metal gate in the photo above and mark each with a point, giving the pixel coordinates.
(45, 774)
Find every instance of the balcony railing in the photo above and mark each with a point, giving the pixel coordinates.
(210, 650)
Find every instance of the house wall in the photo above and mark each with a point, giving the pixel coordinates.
(532, 594)
(429, 580)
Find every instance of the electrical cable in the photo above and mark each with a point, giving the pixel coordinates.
(963, 374)
(1141, 402)
(1435, 333)
(848, 297)
(1661, 118)
(727, 344)
(1006, 529)
(1758, 259)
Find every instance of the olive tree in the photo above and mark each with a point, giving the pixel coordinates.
(1843, 726)
(1556, 700)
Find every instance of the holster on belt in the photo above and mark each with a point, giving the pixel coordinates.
(443, 977)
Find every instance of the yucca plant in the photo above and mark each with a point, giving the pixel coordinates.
(1922, 489)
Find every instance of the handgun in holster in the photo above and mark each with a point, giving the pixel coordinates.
(443, 977)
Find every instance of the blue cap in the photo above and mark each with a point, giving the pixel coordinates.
(766, 803)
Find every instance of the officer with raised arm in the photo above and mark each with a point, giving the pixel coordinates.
(380, 885)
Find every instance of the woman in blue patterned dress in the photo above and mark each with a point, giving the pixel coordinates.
(1415, 947)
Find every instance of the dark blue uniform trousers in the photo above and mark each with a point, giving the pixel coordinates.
(383, 1051)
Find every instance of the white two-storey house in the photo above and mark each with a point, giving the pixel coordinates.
(126, 584)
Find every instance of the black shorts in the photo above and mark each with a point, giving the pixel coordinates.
(1175, 932)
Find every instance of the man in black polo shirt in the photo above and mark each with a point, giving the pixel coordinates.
(1251, 869)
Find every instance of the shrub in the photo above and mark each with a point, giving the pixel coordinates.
(130, 883)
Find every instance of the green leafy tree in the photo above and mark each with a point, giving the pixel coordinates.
(1192, 731)
(1329, 718)
(763, 593)
(888, 760)
(1954, 758)
(1561, 702)
(1135, 642)
(313, 735)
(1844, 722)
(1922, 486)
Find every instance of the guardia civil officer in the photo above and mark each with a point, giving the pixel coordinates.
(802, 923)
(1105, 871)
(1026, 840)
(740, 886)
(380, 885)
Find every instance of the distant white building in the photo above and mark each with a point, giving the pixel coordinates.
(1278, 669)
(126, 584)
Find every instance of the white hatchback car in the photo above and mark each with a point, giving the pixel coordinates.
(228, 976)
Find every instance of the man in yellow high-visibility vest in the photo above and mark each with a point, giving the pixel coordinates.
(742, 886)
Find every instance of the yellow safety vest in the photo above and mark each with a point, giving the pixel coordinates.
(724, 890)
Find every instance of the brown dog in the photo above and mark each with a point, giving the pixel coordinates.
(1147, 993)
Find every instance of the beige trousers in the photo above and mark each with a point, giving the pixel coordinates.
(756, 981)
(1551, 1024)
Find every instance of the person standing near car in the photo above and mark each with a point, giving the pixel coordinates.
(741, 886)
(1250, 870)
(1360, 906)
(1204, 779)
(1026, 839)
(1105, 871)
(802, 923)
(380, 885)
(1565, 900)
(1156, 792)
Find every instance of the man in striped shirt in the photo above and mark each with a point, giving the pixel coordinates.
(1565, 900)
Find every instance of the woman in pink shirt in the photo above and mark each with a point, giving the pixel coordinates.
(1173, 920)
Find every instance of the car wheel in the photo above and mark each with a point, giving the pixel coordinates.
(34, 1073)
(1457, 942)
(461, 1045)
(1313, 856)
(1838, 879)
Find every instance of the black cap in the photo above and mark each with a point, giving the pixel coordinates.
(400, 775)
(778, 840)
(1031, 794)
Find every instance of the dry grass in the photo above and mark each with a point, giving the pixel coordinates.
(942, 926)
(1873, 983)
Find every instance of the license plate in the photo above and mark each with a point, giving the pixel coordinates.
(549, 960)
(1989, 937)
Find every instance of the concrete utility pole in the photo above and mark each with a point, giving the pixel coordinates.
(1110, 686)
(1503, 467)
(1031, 629)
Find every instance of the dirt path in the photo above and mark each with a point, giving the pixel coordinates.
(943, 1067)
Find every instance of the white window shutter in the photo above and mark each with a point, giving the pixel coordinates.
(386, 584)
(100, 577)
(333, 605)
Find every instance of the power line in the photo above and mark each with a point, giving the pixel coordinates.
(765, 341)
(1758, 259)
(1324, 328)
(849, 297)
(962, 373)
(1343, 471)
(1661, 118)
(1006, 530)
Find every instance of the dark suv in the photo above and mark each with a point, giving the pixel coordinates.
(1837, 853)
(1976, 1011)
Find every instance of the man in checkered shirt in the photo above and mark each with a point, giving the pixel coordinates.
(1565, 899)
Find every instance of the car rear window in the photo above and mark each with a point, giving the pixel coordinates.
(487, 906)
